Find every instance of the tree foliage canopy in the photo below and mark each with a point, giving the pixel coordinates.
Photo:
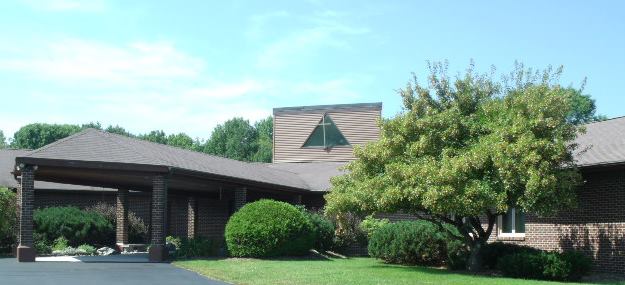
(235, 139)
(238, 139)
(3, 140)
(36, 135)
(467, 147)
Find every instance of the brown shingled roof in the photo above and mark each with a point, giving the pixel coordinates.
(96, 146)
(602, 144)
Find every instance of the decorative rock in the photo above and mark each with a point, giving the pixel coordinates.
(105, 251)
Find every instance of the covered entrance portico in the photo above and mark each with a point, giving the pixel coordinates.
(95, 158)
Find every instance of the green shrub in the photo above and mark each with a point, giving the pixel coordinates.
(268, 228)
(567, 266)
(522, 265)
(86, 249)
(348, 231)
(370, 224)
(173, 241)
(322, 229)
(72, 251)
(415, 242)
(60, 243)
(8, 219)
(78, 227)
(195, 247)
(457, 252)
(41, 245)
(492, 252)
(137, 228)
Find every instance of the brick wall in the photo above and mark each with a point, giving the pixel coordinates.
(212, 217)
(596, 226)
(177, 216)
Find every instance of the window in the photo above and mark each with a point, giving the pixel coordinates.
(326, 135)
(512, 223)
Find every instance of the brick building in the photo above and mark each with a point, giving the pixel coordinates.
(186, 193)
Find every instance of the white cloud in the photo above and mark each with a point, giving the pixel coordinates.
(223, 91)
(67, 5)
(325, 30)
(259, 22)
(143, 86)
(72, 59)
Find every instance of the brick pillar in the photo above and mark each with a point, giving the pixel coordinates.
(191, 216)
(121, 236)
(26, 251)
(297, 200)
(240, 198)
(158, 252)
(19, 210)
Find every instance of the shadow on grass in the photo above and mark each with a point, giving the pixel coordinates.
(613, 279)
(421, 269)
(284, 258)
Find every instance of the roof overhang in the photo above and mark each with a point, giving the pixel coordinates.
(118, 175)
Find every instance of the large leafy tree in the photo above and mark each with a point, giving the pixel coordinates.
(118, 130)
(235, 139)
(3, 140)
(157, 136)
(36, 135)
(466, 149)
(264, 140)
(583, 108)
(182, 140)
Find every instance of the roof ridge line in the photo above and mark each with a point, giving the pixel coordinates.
(106, 135)
(609, 119)
(176, 148)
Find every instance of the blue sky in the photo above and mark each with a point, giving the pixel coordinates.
(184, 66)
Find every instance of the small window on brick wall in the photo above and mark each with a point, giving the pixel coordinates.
(512, 223)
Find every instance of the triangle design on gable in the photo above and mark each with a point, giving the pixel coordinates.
(326, 134)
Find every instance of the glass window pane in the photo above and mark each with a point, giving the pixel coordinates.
(506, 222)
(333, 135)
(519, 222)
(316, 138)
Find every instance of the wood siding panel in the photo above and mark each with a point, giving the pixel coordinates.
(291, 130)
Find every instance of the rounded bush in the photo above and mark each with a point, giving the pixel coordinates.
(414, 242)
(8, 219)
(492, 252)
(267, 228)
(78, 227)
(567, 266)
(322, 229)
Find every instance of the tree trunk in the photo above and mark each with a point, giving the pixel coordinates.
(474, 264)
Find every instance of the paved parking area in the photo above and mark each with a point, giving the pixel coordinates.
(109, 273)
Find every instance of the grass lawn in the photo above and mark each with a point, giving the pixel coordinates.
(333, 271)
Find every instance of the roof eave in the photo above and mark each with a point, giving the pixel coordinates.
(103, 165)
(601, 165)
(237, 180)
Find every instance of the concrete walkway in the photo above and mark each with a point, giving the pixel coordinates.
(97, 272)
(118, 258)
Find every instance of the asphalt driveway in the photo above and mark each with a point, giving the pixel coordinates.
(78, 273)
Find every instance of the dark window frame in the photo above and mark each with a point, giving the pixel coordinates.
(513, 220)
(323, 124)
